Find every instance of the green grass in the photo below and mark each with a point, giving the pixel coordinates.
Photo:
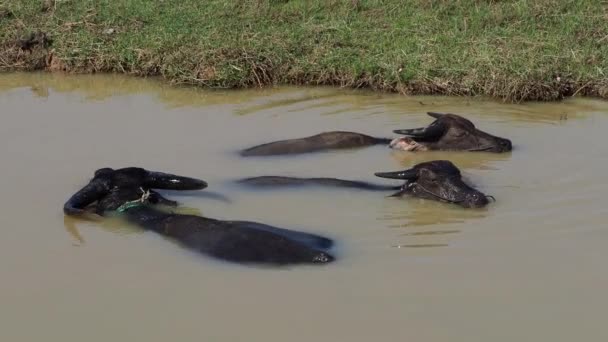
(514, 50)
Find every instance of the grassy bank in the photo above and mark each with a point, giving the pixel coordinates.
(514, 50)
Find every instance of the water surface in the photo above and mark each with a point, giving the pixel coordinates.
(530, 267)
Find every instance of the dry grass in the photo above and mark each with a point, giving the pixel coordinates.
(513, 50)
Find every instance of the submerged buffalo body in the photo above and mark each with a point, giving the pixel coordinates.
(435, 180)
(235, 241)
(315, 143)
(449, 132)
(282, 181)
(129, 192)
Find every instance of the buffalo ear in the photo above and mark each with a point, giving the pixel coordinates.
(399, 193)
(105, 171)
(425, 173)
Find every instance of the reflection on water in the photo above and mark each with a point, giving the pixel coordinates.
(416, 218)
(102, 87)
(296, 100)
(116, 224)
(408, 269)
(294, 103)
(421, 212)
(70, 226)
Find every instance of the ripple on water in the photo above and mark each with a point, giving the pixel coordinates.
(408, 269)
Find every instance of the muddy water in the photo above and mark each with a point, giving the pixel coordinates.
(530, 267)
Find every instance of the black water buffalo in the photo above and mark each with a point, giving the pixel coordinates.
(111, 189)
(436, 180)
(447, 132)
(128, 192)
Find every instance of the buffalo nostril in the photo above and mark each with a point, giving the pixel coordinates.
(477, 200)
(322, 258)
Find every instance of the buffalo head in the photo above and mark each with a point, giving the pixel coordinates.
(449, 132)
(437, 180)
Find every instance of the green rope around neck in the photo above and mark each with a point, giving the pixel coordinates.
(135, 203)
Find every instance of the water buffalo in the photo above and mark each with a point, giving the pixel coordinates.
(447, 132)
(128, 192)
(435, 180)
(113, 188)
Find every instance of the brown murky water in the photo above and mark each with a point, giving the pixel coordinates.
(530, 267)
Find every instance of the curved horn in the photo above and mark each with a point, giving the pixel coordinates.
(431, 132)
(414, 132)
(85, 196)
(435, 114)
(405, 174)
(167, 181)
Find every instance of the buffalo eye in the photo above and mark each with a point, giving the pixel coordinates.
(461, 134)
